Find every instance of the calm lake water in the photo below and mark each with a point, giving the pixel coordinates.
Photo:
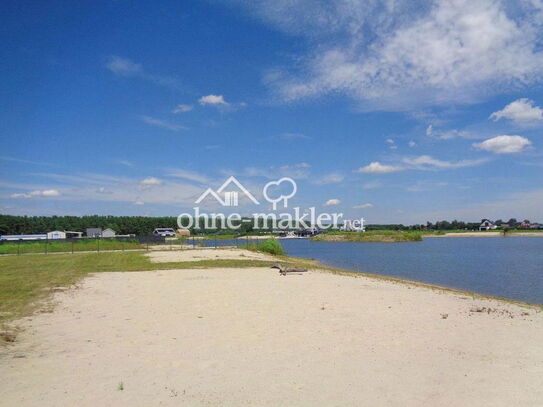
(510, 267)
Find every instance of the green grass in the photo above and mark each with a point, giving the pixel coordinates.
(82, 245)
(25, 280)
(385, 236)
(270, 246)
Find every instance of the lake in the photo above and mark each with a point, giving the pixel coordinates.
(510, 267)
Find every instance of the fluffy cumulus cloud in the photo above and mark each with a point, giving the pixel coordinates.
(46, 193)
(521, 110)
(399, 55)
(332, 202)
(150, 182)
(377, 168)
(213, 100)
(504, 144)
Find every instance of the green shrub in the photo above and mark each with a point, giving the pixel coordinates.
(271, 246)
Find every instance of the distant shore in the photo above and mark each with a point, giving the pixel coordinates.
(485, 234)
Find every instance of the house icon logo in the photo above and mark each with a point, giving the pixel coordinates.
(230, 197)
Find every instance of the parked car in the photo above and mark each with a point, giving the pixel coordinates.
(165, 232)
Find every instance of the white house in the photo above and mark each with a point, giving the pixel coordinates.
(56, 234)
(487, 225)
(108, 233)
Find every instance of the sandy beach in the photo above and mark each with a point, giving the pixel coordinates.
(206, 254)
(250, 337)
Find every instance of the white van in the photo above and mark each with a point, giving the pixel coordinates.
(165, 232)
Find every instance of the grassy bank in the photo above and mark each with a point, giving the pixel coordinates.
(26, 280)
(385, 236)
(270, 246)
(82, 245)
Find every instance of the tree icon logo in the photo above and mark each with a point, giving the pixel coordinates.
(281, 197)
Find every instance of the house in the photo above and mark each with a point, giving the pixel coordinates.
(487, 224)
(108, 233)
(41, 236)
(94, 232)
(56, 234)
(526, 224)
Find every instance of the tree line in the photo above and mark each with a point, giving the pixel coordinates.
(144, 225)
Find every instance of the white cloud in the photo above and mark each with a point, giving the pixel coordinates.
(46, 193)
(126, 163)
(332, 202)
(521, 110)
(400, 55)
(332, 178)
(412, 144)
(139, 202)
(220, 103)
(188, 175)
(296, 171)
(213, 100)
(448, 135)
(182, 108)
(363, 206)
(150, 181)
(504, 144)
(163, 124)
(378, 168)
(123, 66)
(426, 162)
(391, 144)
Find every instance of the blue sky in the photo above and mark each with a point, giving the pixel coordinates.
(394, 111)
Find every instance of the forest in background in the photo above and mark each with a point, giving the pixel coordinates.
(144, 225)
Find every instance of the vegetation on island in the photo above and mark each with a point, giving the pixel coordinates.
(384, 236)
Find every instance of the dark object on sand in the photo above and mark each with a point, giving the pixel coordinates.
(283, 269)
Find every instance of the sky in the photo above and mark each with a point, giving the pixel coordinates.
(395, 111)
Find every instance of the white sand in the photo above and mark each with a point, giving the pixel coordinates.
(206, 254)
(249, 337)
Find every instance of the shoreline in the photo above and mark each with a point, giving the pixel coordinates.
(486, 234)
(258, 338)
(318, 266)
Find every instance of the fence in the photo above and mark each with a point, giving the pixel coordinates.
(74, 245)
